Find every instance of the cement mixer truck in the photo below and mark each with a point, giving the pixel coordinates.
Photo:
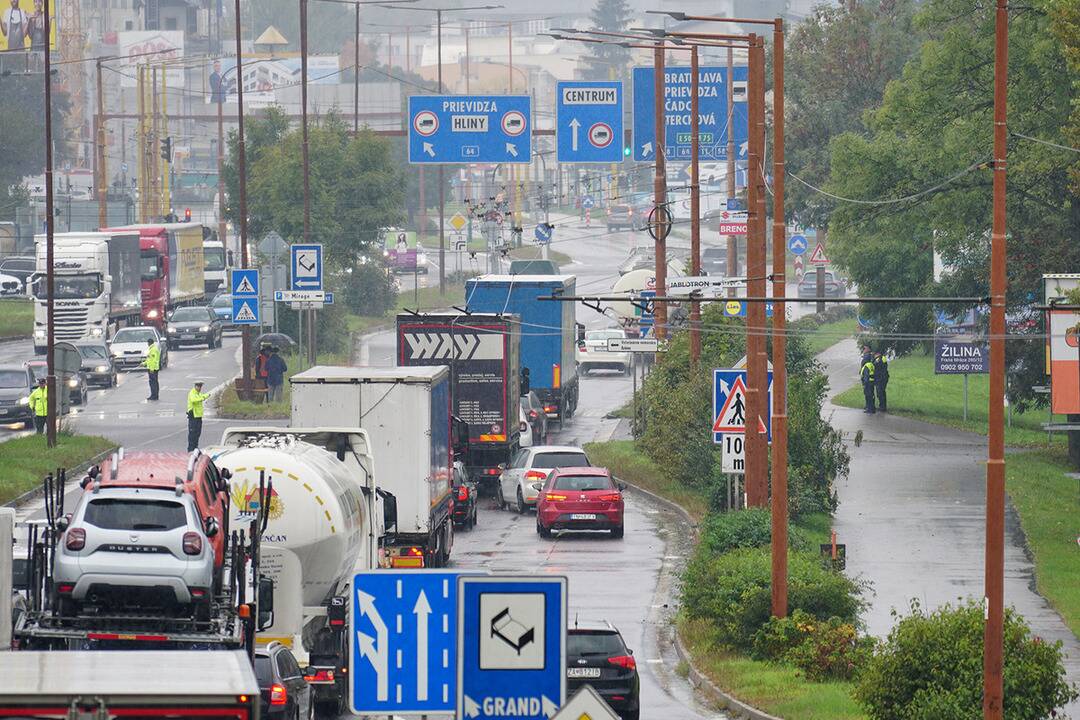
(326, 520)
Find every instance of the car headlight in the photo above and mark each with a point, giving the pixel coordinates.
(152, 314)
(24, 401)
(39, 334)
(204, 328)
(73, 382)
(171, 329)
(101, 368)
(96, 332)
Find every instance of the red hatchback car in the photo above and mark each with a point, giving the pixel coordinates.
(580, 498)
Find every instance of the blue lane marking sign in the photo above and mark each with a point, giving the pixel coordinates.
(737, 308)
(306, 261)
(543, 232)
(729, 403)
(589, 122)
(245, 282)
(712, 114)
(587, 202)
(511, 647)
(458, 129)
(796, 244)
(403, 642)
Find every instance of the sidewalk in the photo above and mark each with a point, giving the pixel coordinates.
(912, 514)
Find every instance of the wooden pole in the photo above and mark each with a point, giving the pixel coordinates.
(50, 220)
(241, 167)
(102, 174)
(732, 240)
(659, 191)
(757, 459)
(695, 211)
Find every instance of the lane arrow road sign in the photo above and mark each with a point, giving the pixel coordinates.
(646, 149)
(744, 148)
(547, 707)
(422, 610)
(376, 656)
(428, 149)
(472, 709)
(512, 149)
(575, 126)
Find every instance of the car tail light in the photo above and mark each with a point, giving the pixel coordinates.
(491, 471)
(533, 414)
(550, 408)
(198, 592)
(610, 497)
(626, 662)
(321, 676)
(65, 589)
(523, 426)
(76, 539)
(554, 497)
(278, 694)
(463, 493)
(583, 348)
(535, 475)
(192, 543)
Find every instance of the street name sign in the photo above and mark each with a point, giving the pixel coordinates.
(313, 296)
(712, 113)
(729, 404)
(461, 129)
(633, 345)
(511, 647)
(589, 122)
(306, 261)
(244, 283)
(403, 642)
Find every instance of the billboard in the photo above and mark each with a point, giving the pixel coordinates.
(959, 357)
(263, 78)
(135, 48)
(23, 27)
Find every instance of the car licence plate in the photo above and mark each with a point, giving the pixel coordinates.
(583, 516)
(582, 672)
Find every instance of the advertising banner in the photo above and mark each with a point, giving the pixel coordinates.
(133, 48)
(22, 26)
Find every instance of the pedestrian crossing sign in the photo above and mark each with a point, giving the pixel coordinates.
(245, 282)
(245, 311)
(729, 404)
(732, 417)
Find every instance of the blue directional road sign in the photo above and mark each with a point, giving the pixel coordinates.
(459, 129)
(712, 114)
(306, 262)
(588, 122)
(796, 244)
(511, 647)
(403, 642)
(729, 408)
(245, 296)
(587, 202)
(543, 232)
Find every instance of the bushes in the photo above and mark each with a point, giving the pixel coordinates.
(823, 650)
(732, 591)
(930, 668)
(723, 532)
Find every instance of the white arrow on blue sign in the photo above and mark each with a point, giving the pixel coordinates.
(589, 122)
(403, 642)
(307, 266)
(511, 647)
(712, 114)
(797, 244)
(587, 202)
(543, 232)
(461, 129)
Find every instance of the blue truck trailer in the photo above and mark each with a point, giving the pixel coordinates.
(547, 331)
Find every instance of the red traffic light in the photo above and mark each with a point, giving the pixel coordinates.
(187, 214)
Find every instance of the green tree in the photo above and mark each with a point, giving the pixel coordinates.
(607, 61)
(1065, 23)
(22, 142)
(837, 63)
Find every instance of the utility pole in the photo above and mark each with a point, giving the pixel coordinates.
(102, 174)
(659, 192)
(155, 144)
(779, 505)
(356, 80)
(442, 182)
(241, 166)
(468, 62)
(306, 158)
(695, 211)
(220, 96)
(733, 240)
(993, 684)
(757, 452)
(50, 219)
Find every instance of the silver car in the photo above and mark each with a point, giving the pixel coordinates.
(521, 482)
(593, 353)
(134, 547)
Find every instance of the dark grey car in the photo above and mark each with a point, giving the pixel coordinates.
(16, 382)
(194, 325)
(97, 365)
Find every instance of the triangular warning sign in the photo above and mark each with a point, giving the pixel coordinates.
(246, 314)
(244, 287)
(818, 256)
(732, 417)
(761, 426)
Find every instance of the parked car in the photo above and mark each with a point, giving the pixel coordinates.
(284, 693)
(279, 340)
(534, 267)
(532, 408)
(194, 325)
(76, 382)
(465, 497)
(834, 286)
(527, 472)
(593, 353)
(16, 384)
(597, 655)
(222, 307)
(128, 347)
(714, 261)
(10, 286)
(97, 365)
(19, 266)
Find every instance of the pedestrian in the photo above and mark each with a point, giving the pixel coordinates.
(195, 399)
(524, 385)
(152, 363)
(866, 374)
(261, 369)
(881, 380)
(275, 374)
(39, 405)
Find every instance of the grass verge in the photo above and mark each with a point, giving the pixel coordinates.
(1046, 502)
(16, 318)
(230, 406)
(425, 298)
(533, 252)
(627, 463)
(25, 461)
(916, 392)
(828, 334)
(779, 690)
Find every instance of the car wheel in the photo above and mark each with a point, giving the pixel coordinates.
(521, 507)
(210, 346)
(617, 533)
(502, 499)
(113, 380)
(541, 530)
(632, 714)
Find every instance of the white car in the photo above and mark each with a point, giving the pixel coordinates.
(129, 346)
(10, 285)
(593, 353)
(521, 482)
(525, 428)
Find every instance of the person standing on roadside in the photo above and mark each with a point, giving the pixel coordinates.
(152, 363)
(881, 380)
(39, 405)
(275, 374)
(262, 369)
(195, 399)
(866, 375)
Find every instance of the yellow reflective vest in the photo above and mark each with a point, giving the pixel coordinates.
(153, 358)
(195, 400)
(39, 401)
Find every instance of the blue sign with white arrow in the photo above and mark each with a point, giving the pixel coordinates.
(511, 647)
(796, 244)
(307, 266)
(459, 129)
(403, 642)
(587, 202)
(712, 114)
(589, 122)
(543, 232)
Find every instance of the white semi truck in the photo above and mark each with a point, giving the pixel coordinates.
(96, 281)
(406, 413)
(326, 520)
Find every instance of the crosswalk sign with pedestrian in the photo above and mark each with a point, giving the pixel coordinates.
(732, 416)
(245, 311)
(729, 404)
